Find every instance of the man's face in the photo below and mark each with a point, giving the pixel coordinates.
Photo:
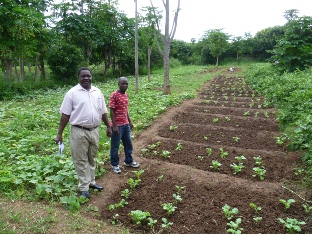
(85, 79)
(123, 85)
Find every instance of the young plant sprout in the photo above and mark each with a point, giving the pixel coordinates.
(228, 212)
(223, 153)
(259, 172)
(165, 154)
(287, 203)
(208, 151)
(172, 128)
(236, 139)
(179, 147)
(292, 225)
(215, 165)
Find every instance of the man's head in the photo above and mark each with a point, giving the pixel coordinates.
(85, 77)
(123, 84)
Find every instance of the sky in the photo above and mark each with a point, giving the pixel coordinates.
(235, 17)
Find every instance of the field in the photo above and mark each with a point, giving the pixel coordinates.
(221, 148)
(212, 164)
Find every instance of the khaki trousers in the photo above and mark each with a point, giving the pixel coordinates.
(84, 146)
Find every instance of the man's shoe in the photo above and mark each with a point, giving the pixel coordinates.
(116, 169)
(96, 186)
(86, 194)
(133, 164)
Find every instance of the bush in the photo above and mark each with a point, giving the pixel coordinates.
(64, 61)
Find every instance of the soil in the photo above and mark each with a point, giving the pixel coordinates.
(226, 116)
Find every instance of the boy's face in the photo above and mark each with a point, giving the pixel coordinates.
(123, 85)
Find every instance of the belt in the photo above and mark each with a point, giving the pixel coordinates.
(89, 129)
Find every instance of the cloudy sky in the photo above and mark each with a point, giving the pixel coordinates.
(235, 17)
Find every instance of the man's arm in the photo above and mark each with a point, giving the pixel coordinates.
(106, 122)
(63, 122)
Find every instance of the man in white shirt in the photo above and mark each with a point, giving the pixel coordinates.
(84, 108)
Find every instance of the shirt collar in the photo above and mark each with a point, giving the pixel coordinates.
(79, 87)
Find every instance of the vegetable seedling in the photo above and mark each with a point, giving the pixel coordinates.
(228, 212)
(292, 225)
(215, 165)
(287, 203)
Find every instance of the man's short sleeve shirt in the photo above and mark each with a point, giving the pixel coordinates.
(119, 103)
(84, 107)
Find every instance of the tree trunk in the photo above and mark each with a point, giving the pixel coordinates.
(217, 63)
(107, 59)
(149, 52)
(167, 66)
(22, 70)
(36, 68)
(8, 69)
(41, 66)
(136, 50)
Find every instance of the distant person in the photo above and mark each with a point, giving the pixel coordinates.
(84, 107)
(121, 126)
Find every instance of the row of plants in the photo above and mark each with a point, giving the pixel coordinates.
(144, 218)
(291, 94)
(291, 225)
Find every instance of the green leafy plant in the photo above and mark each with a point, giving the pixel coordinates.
(179, 147)
(259, 172)
(240, 158)
(234, 226)
(139, 216)
(256, 208)
(133, 183)
(258, 160)
(172, 128)
(228, 212)
(307, 208)
(223, 154)
(257, 219)
(165, 154)
(180, 188)
(72, 203)
(208, 151)
(165, 224)
(122, 203)
(287, 203)
(215, 165)
(215, 120)
(200, 157)
(228, 119)
(177, 197)
(138, 173)
(236, 139)
(160, 178)
(125, 193)
(151, 222)
(237, 167)
(169, 207)
(115, 219)
(246, 113)
(292, 225)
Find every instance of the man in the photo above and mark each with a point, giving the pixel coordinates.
(84, 107)
(121, 126)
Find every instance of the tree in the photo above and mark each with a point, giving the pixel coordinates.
(150, 20)
(291, 14)
(237, 46)
(293, 51)
(136, 49)
(167, 41)
(19, 21)
(217, 42)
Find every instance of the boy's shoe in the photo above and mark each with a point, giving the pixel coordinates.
(133, 164)
(116, 169)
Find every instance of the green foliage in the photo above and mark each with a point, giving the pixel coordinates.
(64, 61)
(139, 216)
(234, 226)
(292, 225)
(291, 94)
(228, 212)
(293, 51)
(287, 203)
(169, 207)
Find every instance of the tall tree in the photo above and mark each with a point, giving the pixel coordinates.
(167, 41)
(217, 42)
(293, 51)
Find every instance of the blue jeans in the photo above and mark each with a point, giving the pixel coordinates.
(125, 137)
